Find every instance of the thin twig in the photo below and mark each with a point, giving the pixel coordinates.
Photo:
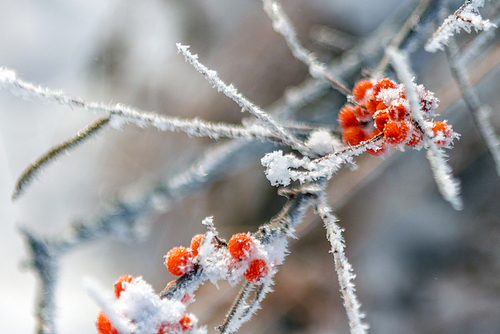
(32, 170)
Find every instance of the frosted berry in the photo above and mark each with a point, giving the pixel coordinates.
(353, 136)
(445, 129)
(371, 104)
(415, 140)
(240, 245)
(362, 113)
(256, 270)
(381, 147)
(383, 83)
(360, 88)
(397, 112)
(186, 323)
(381, 106)
(196, 242)
(103, 325)
(396, 133)
(347, 117)
(119, 286)
(179, 261)
(381, 119)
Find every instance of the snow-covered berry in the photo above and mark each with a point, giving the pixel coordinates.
(257, 269)
(240, 246)
(179, 261)
(347, 117)
(360, 88)
(186, 323)
(396, 133)
(196, 242)
(119, 286)
(353, 135)
(104, 325)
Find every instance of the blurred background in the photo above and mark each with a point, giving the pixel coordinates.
(421, 266)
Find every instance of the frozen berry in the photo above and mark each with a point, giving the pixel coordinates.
(195, 243)
(186, 323)
(104, 325)
(397, 112)
(396, 133)
(240, 246)
(383, 83)
(256, 270)
(443, 129)
(179, 261)
(381, 118)
(353, 136)
(371, 104)
(381, 146)
(347, 117)
(362, 113)
(119, 286)
(415, 140)
(360, 88)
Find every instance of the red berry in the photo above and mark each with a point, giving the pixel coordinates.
(371, 104)
(353, 136)
(360, 88)
(103, 325)
(381, 106)
(186, 323)
(415, 139)
(256, 270)
(381, 118)
(119, 286)
(396, 133)
(397, 112)
(179, 261)
(443, 128)
(240, 246)
(196, 242)
(347, 117)
(383, 83)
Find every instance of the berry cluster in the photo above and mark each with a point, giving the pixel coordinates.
(242, 251)
(382, 107)
(139, 300)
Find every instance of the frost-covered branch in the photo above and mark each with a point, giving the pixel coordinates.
(465, 18)
(448, 186)
(33, 169)
(479, 112)
(283, 25)
(121, 114)
(231, 92)
(342, 267)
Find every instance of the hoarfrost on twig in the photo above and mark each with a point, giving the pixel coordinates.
(465, 18)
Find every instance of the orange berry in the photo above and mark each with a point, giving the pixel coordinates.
(103, 325)
(371, 104)
(397, 112)
(396, 133)
(196, 242)
(179, 261)
(360, 88)
(415, 139)
(186, 323)
(119, 287)
(240, 246)
(381, 106)
(256, 270)
(381, 118)
(347, 117)
(353, 136)
(445, 129)
(383, 83)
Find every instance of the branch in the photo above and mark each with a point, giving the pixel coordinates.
(342, 267)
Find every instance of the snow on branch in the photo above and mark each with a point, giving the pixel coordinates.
(231, 92)
(121, 114)
(465, 18)
(342, 267)
(282, 169)
(283, 25)
(448, 186)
